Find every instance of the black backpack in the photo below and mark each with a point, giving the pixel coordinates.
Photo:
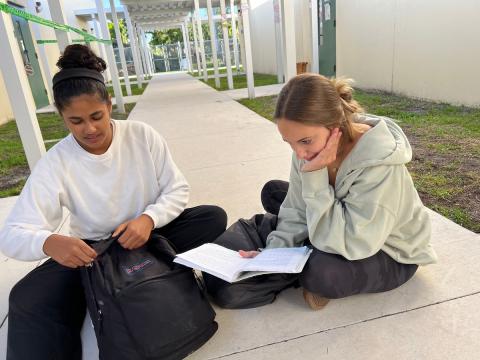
(144, 306)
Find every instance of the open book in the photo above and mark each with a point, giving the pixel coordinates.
(228, 265)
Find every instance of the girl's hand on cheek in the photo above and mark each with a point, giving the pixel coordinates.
(327, 155)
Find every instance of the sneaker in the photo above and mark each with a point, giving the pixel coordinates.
(316, 302)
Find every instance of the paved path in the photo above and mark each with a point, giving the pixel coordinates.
(227, 153)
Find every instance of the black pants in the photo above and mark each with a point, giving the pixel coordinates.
(47, 307)
(332, 275)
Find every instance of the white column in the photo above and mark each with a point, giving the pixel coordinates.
(277, 16)
(143, 51)
(150, 51)
(200, 40)
(121, 50)
(288, 26)
(248, 65)
(314, 22)
(133, 48)
(41, 49)
(234, 35)
(56, 12)
(140, 51)
(213, 40)
(148, 57)
(19, 92)
(117, 90)
(226, 44)
(101, 47)
(194, 30)
(186, 44)
(242, 43)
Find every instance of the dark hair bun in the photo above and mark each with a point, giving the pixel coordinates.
(80, 56)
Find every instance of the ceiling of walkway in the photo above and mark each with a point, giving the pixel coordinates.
(155, 14)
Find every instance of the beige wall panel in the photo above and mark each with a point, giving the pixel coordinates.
(365, 35)
(5, 109)
(262, 29)
(437, 55)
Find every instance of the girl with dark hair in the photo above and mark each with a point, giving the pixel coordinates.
(350, 195)
(113, 177)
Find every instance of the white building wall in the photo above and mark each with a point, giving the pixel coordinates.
(303, 32)
(263, 35)
(425, 49)
(262, 30)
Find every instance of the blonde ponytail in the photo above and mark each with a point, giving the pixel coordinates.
(316, 100)
(343, 86)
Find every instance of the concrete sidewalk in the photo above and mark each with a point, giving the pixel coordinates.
(227, 153)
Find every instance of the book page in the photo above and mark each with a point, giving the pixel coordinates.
(214, 259)
(284, 260)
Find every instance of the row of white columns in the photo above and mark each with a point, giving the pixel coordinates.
(245, 43)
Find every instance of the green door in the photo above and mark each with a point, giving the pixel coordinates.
(327, 38)
(30, 61)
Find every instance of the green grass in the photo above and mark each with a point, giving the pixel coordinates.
(446, 143)
(222, 70)
(240, 81)
(13, 163)
(134, 87)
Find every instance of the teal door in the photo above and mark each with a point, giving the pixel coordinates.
(30, 61)
(327, 38)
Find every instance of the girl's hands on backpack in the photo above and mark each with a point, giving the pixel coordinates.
(136, 232)
(68, 251)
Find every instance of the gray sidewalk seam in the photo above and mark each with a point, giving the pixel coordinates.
(346, 326)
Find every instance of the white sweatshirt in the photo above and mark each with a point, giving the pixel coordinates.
(135, 175)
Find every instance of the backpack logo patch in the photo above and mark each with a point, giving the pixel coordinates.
(131, 270)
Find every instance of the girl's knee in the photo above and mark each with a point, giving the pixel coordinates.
(327, 282)
(217, 216)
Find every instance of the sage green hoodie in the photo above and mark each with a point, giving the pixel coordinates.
(373, 207)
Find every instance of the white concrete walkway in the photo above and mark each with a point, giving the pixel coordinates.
(227, 152)
(266, 90)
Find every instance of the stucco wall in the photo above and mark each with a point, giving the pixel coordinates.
(426, 49)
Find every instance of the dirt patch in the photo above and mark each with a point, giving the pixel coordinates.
(14, 177)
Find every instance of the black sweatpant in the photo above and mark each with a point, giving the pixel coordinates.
(47, 307)
(332, 275)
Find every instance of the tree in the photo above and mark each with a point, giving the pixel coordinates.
(170, 36)
(123, 32)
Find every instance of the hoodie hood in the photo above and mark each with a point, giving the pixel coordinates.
(384, 144)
